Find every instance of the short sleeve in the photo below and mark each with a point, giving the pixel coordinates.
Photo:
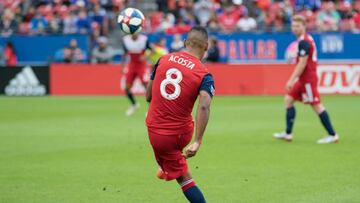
(153, 73)
(208, 85)
(304, 48)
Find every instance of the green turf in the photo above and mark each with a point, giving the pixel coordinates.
(83, 149)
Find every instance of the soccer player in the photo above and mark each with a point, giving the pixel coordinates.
(302, 85)
(158, 49)
(134, 46)
(176, 82)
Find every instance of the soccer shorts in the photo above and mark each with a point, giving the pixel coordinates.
(306, 92)
(135, 70)
(168, 150)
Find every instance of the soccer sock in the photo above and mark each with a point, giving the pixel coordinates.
(192, 192)
(325, 120)
(131, 97)
(290, 119)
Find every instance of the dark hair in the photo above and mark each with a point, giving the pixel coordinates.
(10, 44)
(200, 30)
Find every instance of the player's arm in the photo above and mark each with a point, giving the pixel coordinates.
(202, 114)
(149, 86)
(148, 91)
(149, 47)
(303, 54)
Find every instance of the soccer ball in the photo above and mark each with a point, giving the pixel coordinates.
(131, 20)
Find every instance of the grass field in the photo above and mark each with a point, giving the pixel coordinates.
(83, 149)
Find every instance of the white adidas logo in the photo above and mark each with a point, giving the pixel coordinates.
(25, 83)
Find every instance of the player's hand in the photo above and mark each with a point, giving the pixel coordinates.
(289, 85)
(192, 149)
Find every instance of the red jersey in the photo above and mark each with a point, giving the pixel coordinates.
(229, 20)
(177, 79)
(10, 57)
(306, 46)
(135, 47)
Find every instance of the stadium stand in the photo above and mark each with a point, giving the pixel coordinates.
(97, 18)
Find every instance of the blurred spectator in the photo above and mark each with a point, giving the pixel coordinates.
(10, 55)
(67, 56)
(167, 23)
(213, 53)
(328, 19)
(288, 11)
(280, 21)
(55, 24)
(177, 43)
(356, 22)
(98, 16)
(38, 24)
(263, 4)
(102, 53)
(179, 28)
(18, 15)
(228, 19)
(213, 24)
(83, 22)
(246, 23)
(187, 14)
(307, 4)
(8, 25)
(202, 11)
(156, 19)
(157, 50)
(70, 23)
(310, 18)
(30, 14)
(238, 8)
(161, 5)
(70, 54)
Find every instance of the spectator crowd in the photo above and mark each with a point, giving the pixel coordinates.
(98, 17)
(58, 16)
(255, 15)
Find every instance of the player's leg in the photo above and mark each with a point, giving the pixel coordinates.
(290, 113)
(289, 119)
(130, 95)
(130, 77)
(168, 154)
(142, 75)
(189, 188)
(320, 110)
(187, 183)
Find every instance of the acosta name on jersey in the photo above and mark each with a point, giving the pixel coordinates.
(184, 62)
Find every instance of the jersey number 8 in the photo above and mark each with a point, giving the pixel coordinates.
(171, 81)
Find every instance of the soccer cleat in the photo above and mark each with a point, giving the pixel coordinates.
(283, 136)
(160, 174)
(329, 139)
(131, 109)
